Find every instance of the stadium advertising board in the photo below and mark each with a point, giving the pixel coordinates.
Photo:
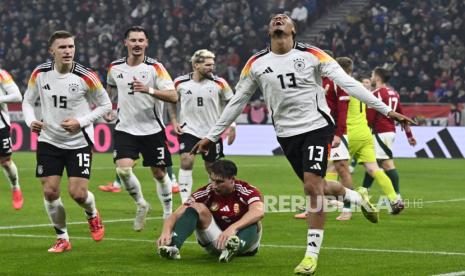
(433, 142)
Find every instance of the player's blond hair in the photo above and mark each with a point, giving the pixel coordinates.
(200, 55)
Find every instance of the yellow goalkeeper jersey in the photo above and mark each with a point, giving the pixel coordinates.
(357, 125)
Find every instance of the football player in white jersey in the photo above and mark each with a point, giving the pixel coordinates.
(9, 93)
(143, 84)
(66, 89)
(289, 75)
(202, 97)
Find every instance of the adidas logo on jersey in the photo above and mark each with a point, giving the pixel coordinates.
(189, 92)
(120, 76)
(316, 167)
(225, 209)
(86, 171)
(46, 87)
(161, 163)
(267, 70)
(336, 155)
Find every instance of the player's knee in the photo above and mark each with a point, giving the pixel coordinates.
(314, 186)
(5, 162)
(78, 194)
(200, 208)
(124, 172)
(51, 193)
(187, 163)
(158, 173)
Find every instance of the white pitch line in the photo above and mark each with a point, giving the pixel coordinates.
(445, 200)
(70, 223)
(458, 273)
(263, 245)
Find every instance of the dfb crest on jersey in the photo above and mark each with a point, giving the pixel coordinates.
(73, 88)
(299, 64)
(144, 75)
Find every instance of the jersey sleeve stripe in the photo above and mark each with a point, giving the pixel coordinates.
(5, 77)
(253, 199)
(41, 68)
(246, 70)
(161, 71)
(89, 77)
(322, 56)
(180, 80)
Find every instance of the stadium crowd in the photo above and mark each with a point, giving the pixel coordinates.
(234, 30)
(421, 41)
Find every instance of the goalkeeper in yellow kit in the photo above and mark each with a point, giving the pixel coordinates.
(361, 145)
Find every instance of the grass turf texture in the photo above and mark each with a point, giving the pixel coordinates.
(414, 235)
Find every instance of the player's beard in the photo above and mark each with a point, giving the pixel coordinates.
(278, 33)
(207, 75)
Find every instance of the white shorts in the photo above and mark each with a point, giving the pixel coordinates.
(341, 152)
(383, 144)
(207, 238)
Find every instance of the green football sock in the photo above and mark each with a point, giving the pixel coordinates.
(247, 235)
(394, 176)
(184, 227)
(367, 181)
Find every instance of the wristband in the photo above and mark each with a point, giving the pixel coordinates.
(233, 124)
(151, 91)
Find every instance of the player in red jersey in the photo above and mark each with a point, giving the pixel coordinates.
(225, 215)
(384, 129)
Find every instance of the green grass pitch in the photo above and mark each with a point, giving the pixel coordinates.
(425, 239)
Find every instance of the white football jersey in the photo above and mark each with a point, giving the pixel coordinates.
(139, 113)
(65, 96)
(201, 102)
(291, 87)
(9, 93)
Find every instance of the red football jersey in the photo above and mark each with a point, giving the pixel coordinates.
(226, 210)
(377, 121)
(338, 102)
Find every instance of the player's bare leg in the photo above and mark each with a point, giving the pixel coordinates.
(164, 189)
(185, 176)
(78, 190)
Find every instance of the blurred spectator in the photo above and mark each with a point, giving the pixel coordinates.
(299, 15)
(422, 41)
(257, 113)
(455, 116)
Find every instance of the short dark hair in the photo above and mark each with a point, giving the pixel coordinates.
(136, 29)
(59, 34)
(224, 168)
(382, 73)
(346, 63)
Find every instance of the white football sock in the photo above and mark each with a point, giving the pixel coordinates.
(89, 205)
(314, 241)
(164, 194)
(352, 197)
(57, 215)
(185, 184)
(11, 172)
(132, 184)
